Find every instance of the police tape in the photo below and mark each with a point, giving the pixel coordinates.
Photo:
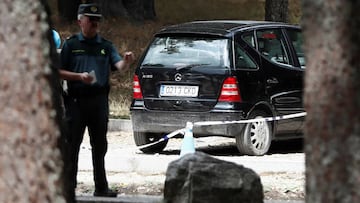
(166, 137)
(206, 123)
(275, 118)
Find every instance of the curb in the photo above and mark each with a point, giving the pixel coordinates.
(284, 201)
(120, 199)
(146, 199)
(120, 125)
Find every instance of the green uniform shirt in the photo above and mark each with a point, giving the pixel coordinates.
(80, 54)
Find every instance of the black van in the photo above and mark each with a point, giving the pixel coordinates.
(220, 71)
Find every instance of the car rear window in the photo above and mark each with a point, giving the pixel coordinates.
(187, 51)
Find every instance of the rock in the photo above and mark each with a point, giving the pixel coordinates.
(201, 178)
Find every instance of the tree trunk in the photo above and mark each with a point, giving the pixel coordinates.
(68, 9)
(112, 8)
(140, 10)
(30, 158)
(276, 10)
(332, 100)
(149, 9)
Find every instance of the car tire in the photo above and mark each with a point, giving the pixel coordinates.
(141, 138)
(255, 138)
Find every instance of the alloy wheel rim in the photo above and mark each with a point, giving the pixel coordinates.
(259, 135)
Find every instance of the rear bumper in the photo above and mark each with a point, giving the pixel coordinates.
(169, 121)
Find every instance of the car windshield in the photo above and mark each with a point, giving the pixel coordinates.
(187, 52)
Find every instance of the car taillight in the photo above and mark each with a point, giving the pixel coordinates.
(230, 91)
(136, 88)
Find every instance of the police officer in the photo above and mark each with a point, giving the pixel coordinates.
(56, 38)
(86, 62)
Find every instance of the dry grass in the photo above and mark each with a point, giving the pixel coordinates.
(135, 37)
(119, 105)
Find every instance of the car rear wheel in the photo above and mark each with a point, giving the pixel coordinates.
(141, 138)
(255, 138)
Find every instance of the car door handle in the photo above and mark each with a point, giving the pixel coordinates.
(272, 81)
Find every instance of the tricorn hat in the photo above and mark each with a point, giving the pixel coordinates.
(91, 10)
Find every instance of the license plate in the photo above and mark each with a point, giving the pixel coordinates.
(179, 91)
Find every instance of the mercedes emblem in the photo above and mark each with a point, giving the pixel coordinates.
(178, 77)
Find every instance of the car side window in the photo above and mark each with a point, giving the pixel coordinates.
(271, 44)
(297, 41)
(242, 59)
(249, 38)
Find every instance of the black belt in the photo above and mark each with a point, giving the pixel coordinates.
(88, 91)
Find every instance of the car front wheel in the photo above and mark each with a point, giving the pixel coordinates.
(255, 138)
(141, 138)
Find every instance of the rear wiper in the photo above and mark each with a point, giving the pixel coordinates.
(190, 66)
(153, 64)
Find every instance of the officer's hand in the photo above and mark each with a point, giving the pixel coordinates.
(86, 78)
(129, 57)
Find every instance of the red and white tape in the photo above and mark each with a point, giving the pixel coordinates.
(289, 116)
(205, 123)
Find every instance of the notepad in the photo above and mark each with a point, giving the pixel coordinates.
(92, 74)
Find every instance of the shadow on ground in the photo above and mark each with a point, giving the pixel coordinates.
(230, 149)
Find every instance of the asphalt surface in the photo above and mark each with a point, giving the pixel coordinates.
(155, 164)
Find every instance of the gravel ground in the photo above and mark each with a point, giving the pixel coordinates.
(276, 186)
